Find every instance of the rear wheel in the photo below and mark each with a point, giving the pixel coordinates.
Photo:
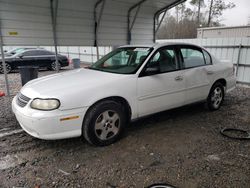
(8, 68)
(104, 123)
(215, 97)
(53, 66)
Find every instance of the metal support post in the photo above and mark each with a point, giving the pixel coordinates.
(3, 62)
(130, 27)
(157, 13)
(97, 24)
(53, 10)
(238, 60)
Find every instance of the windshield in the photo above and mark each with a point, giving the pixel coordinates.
(122, 60)
(15, 51)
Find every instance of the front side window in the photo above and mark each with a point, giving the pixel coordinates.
(122, 60)
(165, 59)
(192, 57)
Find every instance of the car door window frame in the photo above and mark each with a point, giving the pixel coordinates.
(177, 59)
(209, 55)
(194, 48)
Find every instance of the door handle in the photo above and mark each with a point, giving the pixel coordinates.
(179, 78)
(210, 72)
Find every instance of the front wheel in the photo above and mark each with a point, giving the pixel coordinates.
(8, 68)
(215, 97)
(104, 123)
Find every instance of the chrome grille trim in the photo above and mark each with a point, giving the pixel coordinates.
(22, 100)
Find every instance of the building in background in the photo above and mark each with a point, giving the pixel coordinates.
(224, 32)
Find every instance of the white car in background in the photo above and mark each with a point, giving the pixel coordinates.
(128, 83)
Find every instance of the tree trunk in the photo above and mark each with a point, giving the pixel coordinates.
(210, 13)
(199, 11)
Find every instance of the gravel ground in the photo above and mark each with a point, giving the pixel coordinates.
(182, 147)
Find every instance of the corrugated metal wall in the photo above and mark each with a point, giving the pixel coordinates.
(226, 49)
(227, 32)
(26, 22)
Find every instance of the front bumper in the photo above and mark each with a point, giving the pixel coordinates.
(48, 124)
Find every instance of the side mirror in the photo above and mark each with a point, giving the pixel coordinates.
(152, 70)
(20, 56)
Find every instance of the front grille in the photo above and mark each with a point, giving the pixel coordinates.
(22, 100)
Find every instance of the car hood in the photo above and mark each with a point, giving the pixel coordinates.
(6, 57)
(56, 85)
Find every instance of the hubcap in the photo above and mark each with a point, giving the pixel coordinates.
(217, 97)
(8, 68)
(107, 125)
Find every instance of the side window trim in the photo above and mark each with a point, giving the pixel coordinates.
(177, 59)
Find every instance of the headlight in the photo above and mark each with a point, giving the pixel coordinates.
(45, 104)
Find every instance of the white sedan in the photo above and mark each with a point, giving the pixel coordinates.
(130, 82)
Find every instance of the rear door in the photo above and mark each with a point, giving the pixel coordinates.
(45, 58)
(164, 89)
(196, 73)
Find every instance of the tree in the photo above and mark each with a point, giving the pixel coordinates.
(198, 4)
(216, 9)
(184, 19)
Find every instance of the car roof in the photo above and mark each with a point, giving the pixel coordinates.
(35, 49)
(159, 45)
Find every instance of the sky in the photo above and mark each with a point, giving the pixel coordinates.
(238, 15)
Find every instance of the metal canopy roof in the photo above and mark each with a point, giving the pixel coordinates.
(80, 22)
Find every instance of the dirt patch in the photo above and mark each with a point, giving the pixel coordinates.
(182, 147)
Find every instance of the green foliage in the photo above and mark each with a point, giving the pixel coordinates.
(183, 21)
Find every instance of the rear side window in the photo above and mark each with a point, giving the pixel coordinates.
(207, 57)
(192, 57)
(30, 53)
(44, 52)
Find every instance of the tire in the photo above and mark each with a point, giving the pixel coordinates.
(53, 66)
(104, 123)
(215, 97)
(8, 68)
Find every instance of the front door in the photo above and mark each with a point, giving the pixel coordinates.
(27, 58)
(163, 89)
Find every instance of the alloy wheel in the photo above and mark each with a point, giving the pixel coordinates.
(8, 68)
(53, 66)
(107, 125)
(217, 97)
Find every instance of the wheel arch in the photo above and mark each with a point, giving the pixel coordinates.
(117, 99)
(222, 81)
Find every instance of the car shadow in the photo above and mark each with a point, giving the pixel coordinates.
(164, 116)
(137, 125)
